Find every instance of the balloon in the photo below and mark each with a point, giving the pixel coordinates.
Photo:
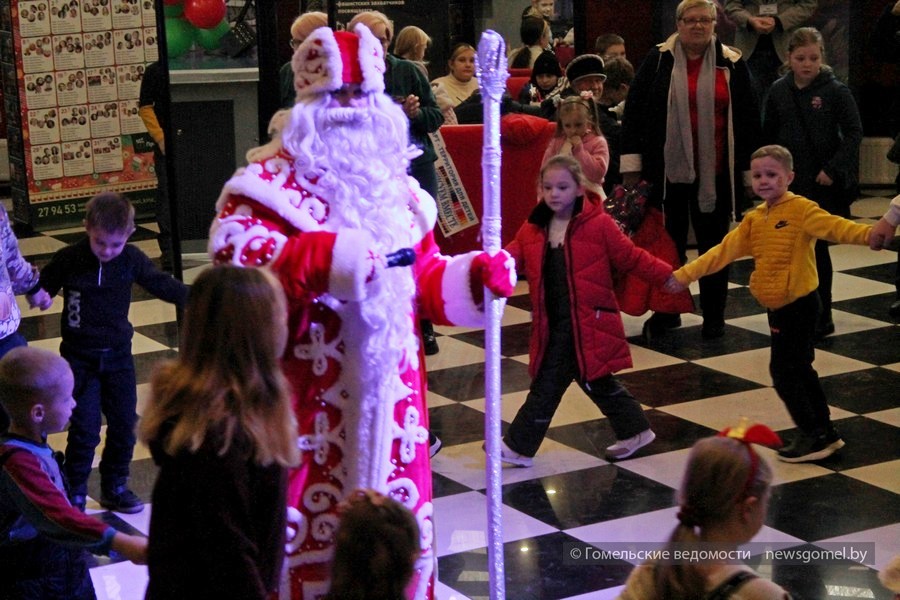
(209, 38)
(173, 11)
(204, 14)
(179, 36)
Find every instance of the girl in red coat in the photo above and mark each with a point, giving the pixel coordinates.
(568, 250)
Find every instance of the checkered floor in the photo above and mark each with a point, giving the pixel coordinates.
(690, 388)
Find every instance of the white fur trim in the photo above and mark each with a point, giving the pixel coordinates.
(317, 64)
(297, 208)
(423, 208)
(318, 68)
(351, 265)
(371, 60)
(459, 305)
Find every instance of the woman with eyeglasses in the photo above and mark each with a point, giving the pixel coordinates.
(302, 26)
(695, 95)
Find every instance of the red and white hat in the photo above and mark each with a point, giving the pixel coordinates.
(328, 60)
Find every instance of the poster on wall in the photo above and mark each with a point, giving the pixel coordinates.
(75, 71)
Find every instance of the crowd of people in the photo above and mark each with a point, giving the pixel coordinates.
(292, 430)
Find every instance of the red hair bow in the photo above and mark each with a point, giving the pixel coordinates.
(753, 434)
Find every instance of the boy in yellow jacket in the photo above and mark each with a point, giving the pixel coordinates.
(780, 235)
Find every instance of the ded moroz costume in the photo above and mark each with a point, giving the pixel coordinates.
(324, 208)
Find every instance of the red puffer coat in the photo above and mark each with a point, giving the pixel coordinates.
(595, 248)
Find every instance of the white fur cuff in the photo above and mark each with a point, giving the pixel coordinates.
(459, 306)
(351, 265)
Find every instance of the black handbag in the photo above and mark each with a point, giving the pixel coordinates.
(242, 36)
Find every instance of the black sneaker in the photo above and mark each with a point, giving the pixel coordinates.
(894, 310)
(122, 500)
(659, 323)
(434, 444)
(712, 330)
(429, 342)
(806, 448)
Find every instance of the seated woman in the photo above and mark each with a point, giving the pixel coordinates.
(410, 44)
(535, 34)
(461, 81)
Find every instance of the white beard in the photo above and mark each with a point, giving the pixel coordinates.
(358, 158)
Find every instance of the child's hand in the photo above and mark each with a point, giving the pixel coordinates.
(673, 286)
(40, 299)
(882, 233)
(132, 547)
(575, 141)
(823, 179)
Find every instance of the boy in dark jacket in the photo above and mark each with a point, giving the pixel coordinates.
(96, 275)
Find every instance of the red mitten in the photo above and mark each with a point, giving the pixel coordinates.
(497, 273)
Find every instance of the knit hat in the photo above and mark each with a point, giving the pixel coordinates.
(586, 65)
(328, 60)
(546, 64)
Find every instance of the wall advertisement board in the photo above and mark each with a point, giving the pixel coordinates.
(71, 82)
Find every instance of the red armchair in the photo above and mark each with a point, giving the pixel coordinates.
(523, 141)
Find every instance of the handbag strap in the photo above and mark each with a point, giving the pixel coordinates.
(725, 589)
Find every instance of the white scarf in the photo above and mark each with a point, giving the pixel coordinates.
(679, 147)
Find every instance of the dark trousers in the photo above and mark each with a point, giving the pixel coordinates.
(832, 198)
(105, 384)
(162, 208)
(826, 279)
(682, 210)
(557, 371)
(40, 569)
(13, 340)
(797, 383)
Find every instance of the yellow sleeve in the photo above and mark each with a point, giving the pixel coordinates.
(823, 225)
(733, 246)
(148, 116)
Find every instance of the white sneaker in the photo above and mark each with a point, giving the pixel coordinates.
(625, 448)
(514, 458)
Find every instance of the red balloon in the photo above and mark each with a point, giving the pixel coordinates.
(204, 14)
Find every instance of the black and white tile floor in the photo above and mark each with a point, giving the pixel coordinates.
(690, 388)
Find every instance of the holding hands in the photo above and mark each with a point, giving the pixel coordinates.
(411, 106)
(882, 234)
(823, 179)
(673, 286)
(762, 25)
(40, 299)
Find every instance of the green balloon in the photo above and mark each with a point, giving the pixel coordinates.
(173, 11)
(209, 38)
(179, 36)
